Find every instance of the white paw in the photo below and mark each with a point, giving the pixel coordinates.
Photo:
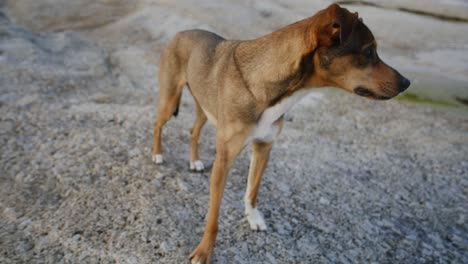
(256, 220)
(196, 165)
(158, 158)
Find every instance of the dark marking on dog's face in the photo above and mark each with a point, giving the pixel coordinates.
(347, 57)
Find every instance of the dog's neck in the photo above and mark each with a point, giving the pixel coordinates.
(290, 51)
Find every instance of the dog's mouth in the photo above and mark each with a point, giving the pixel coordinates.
(363, 92)
(368, 93)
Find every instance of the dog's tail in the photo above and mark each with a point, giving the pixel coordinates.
(176, 111)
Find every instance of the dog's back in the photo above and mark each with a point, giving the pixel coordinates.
(189, 59)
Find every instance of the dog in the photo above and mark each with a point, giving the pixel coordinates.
(245, 87)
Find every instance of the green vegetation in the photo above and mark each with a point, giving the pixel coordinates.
(411, 97)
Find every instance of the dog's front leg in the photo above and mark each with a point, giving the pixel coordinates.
(258, 162)
(226, 152)
(202, 253)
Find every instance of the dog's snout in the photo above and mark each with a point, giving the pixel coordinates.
(404, 83)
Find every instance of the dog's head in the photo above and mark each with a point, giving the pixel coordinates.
(345, 56)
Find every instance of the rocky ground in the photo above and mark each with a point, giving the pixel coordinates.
(349, 181)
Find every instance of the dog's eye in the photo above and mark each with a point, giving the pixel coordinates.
(369, 53)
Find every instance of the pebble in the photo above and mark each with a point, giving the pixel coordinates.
(165, 247)
(324, 201)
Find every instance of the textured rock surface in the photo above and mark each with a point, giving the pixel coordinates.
(349, 181)
(452, 9)
(58, 15)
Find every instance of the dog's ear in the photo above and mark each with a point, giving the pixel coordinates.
(338, 25)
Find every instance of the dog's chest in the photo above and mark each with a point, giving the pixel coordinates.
(267, 129)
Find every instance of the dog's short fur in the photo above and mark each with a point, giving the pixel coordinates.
(245, 87)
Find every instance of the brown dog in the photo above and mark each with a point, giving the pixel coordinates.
(245, 87)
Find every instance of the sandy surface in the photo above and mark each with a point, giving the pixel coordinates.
(349, 181)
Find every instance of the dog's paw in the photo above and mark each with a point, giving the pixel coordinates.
(197, 166)
(157, 158)
(256, 221)
(197, 261)
(202, 254)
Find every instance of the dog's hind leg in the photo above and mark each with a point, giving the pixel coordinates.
(258, 162)
(167, 106)
(170, 92)
(200, 120)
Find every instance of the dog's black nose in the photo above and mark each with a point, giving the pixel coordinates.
(404, 83)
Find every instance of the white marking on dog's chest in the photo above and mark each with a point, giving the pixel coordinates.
(266, 130)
